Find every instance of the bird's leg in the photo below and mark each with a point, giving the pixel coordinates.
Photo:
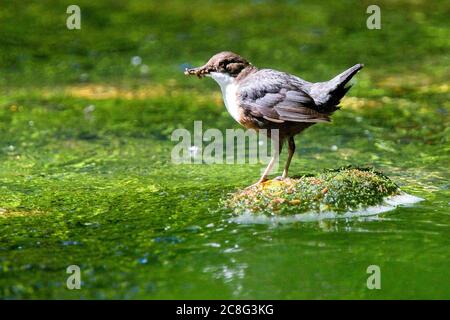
(270, 165)
(291, 151)
(267, 171)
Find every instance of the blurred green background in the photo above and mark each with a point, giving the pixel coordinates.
(316, 39)
(85, 172)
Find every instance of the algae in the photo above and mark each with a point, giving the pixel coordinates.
(337, 190)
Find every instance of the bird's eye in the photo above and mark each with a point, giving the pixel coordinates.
(223, 63)
(235, 68)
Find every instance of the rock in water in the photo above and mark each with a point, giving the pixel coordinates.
(339, 190)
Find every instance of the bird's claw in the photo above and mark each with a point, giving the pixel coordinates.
(279, 178)
(260, 181)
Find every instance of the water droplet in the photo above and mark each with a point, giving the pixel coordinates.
(136, 60)
(88, 112)
(145, 69)
(90, 108)
(84, 77)
(70, 243)
(213, 244)
(167, 239)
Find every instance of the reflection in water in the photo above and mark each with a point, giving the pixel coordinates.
(232, 274)
(389, 204)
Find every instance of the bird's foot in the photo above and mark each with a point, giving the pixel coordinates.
(260, 181)
(280, 178)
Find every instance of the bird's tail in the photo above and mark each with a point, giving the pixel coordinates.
(328, 94)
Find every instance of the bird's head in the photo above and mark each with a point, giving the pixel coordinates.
(225, 63)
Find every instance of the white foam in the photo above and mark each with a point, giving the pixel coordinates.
(389, 203)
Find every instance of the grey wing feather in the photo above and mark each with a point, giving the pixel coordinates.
(278, 97)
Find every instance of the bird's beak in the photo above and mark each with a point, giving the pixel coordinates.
(199, 72)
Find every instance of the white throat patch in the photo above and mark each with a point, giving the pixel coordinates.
(229, 89)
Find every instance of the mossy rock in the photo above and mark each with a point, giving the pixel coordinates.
(339, 190)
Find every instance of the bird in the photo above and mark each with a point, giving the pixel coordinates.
(270, 99)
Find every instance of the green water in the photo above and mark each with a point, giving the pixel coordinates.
(86, 176)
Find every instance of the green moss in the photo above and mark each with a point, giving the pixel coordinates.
(336, 190)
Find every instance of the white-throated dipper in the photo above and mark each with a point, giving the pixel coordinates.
(270, 99)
